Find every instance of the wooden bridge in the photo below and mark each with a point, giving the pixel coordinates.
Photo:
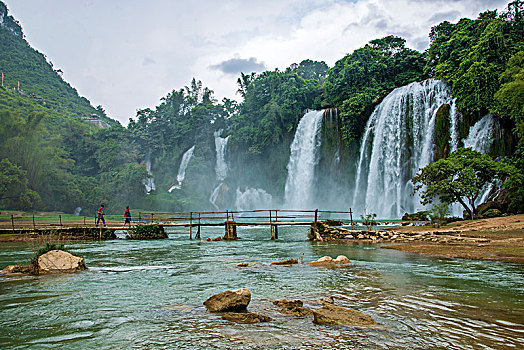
(193, 220)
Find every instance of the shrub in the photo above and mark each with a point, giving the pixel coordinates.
(147, 232)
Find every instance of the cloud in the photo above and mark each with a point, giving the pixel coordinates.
(441, 16)
(148, 61)
(236, 65)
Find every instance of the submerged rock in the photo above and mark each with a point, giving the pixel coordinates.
(327, 300)
(327, 261)
(17, 269)
(338, 315)
(58, 261)
(293, 307)
(285, 262)
(249, 264)
(231, 300)
(245, 317)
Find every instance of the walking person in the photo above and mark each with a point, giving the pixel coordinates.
(127, 217)
(100, 216)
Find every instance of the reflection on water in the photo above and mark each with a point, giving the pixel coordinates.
(149, 294)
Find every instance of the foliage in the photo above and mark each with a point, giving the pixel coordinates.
(439, 212)
(147, 232)
(460, 178)
(369, 221)
(359, 81)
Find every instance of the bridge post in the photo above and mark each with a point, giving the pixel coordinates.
(351, 217)
(13, 222)
(198, 229)
(191, 225)
(34, 226)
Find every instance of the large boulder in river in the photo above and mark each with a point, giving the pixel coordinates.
(231, 300)
(327, 261)
(58, 261)
(338, 315)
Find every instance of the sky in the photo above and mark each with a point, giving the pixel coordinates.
(127, 54)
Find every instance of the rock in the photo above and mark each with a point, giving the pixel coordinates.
(231, 300)
(327, 261)
(249, 264)
(492, 213)
(245, 317)
(338, 315)
(214, 239)
(285, 262)
(293, 307)
(332, 222)
(327, 300)
(17, 269)
(58, 261)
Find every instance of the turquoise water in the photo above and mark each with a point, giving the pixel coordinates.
(149, 294)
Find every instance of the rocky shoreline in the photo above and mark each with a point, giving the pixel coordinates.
(498, 239)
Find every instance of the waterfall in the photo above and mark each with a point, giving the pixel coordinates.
(149, 182)
(253, 198)
(302, 162)
(397, 142)
(482, 134)
(221, 167)
(454, 117)
(220, 146)
(182, 168)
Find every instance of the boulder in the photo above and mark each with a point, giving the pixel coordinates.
(58, 261)
(251, 264)
(338, 315)
(231, 300)
(293, 307)
(285, 262)
(326, 261)
(245, 317)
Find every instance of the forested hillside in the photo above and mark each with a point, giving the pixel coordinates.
(52, 159)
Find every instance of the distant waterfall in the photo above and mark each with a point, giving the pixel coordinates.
(482, 134)
(149, 183)
(220, 146)
(398, 140)
(253, 198)
(221, 167)
(302, 162)
(182, 168)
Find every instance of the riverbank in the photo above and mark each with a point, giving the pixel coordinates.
(498, 239)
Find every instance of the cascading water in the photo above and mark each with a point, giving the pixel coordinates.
(398, 140)
(302, 162)
(482, 134)
(182, 168)
(220, 146)
(221, 167)
(149, 183)
(253, 198)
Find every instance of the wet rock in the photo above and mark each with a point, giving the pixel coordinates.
(293, 307)
(251, 264)
(328, 261)
(331, 222)
(338, 315)
(285, 262)
(17, 269)
(246, 317)
(58, 261)
(231, 300)
(214, 239)
(327, 300)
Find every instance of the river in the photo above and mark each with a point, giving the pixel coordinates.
(149, 294)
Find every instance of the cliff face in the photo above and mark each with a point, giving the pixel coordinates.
(9, 22)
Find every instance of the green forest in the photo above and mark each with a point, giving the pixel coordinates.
(53, 157)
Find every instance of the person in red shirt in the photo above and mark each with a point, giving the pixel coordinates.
(100, 215)
(127, 217)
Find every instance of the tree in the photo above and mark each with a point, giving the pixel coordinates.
(460, 178)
